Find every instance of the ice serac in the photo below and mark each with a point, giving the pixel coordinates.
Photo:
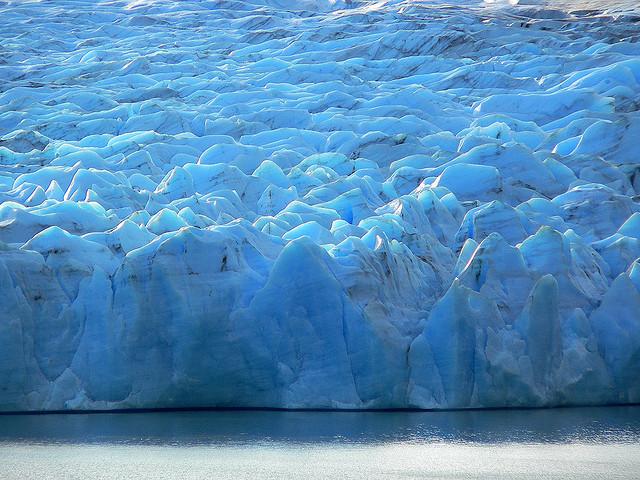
(304, 333)
(326, 204)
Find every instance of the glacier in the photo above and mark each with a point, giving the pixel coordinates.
(318, 204)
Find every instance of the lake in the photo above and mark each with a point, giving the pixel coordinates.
(578, 443)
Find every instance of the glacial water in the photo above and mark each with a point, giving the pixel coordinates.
(580, 443)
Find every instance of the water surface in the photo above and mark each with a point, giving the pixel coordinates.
(580, 443)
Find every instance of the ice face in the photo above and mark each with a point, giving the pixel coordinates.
(332, 204)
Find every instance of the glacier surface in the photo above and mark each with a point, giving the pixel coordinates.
(317, 204)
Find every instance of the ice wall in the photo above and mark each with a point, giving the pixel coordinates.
(320, 204)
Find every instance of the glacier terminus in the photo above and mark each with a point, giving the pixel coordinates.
(318, 204)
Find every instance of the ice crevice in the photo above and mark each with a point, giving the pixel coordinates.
(332, 204)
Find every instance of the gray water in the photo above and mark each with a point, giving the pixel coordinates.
(580, 443)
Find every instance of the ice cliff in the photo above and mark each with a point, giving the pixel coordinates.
(336, 204)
